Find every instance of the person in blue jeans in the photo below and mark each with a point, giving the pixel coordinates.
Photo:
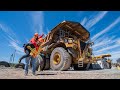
(28, 58)
(34, 43)
(27, 61)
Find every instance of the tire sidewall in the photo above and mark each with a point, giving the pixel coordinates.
(40, 61)
(57, 67)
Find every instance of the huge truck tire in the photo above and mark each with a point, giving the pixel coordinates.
(80, 68)
(43, 62)
(47, 62)
(110, 65)
(20, 65)
(4, 63)
(40, 62)
(60, 59)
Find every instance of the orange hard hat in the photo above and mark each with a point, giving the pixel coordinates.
(36, 34)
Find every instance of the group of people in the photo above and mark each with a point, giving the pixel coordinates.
(35, 43)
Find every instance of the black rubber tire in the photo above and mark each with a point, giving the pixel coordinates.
(20, 65)
(65, 61)
(44, 63)
(91, 67)
(105, 65)
(110, 66)
(79, 68)
(4, 63)
(47, 62)
(40, 61)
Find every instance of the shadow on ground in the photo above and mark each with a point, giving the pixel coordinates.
(46, 74)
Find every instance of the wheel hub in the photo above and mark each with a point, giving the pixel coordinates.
(57, 58)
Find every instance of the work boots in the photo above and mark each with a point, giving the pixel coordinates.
(34, 73)
(26, 73)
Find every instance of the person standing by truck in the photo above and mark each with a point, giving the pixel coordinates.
(33, 41)
(33, 60)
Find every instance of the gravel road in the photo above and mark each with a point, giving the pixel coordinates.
(12, 73)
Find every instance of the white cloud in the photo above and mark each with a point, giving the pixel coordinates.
(84, 21)
(47, 30)
(11, 38)
(106, 29)
(115, 52)
(118, 41)
(95, 19)
(8, 33)
(108, 45)
(38, 21)
(7, 30)
(16, 46)
(104, 41)
(107, 48)
(115, 57)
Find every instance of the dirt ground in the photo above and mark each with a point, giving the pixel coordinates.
(12, 73)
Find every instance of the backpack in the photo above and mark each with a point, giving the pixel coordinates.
(28, 44)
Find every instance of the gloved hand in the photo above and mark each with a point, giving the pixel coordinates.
(41, 36)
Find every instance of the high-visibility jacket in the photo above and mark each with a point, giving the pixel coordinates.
(33, 41)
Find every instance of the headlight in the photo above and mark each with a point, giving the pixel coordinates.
(70, 40)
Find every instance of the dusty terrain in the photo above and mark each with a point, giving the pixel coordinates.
(12, 73)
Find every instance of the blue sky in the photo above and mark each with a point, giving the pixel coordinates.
(17, 27)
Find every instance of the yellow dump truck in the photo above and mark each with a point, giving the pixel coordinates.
(66, 45)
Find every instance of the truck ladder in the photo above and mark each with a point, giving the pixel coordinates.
(80, 63)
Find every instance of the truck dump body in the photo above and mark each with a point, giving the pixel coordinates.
(75, 27)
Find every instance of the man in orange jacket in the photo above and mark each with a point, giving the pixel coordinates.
(33, 41)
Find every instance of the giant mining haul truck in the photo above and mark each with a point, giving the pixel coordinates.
(67, 45)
